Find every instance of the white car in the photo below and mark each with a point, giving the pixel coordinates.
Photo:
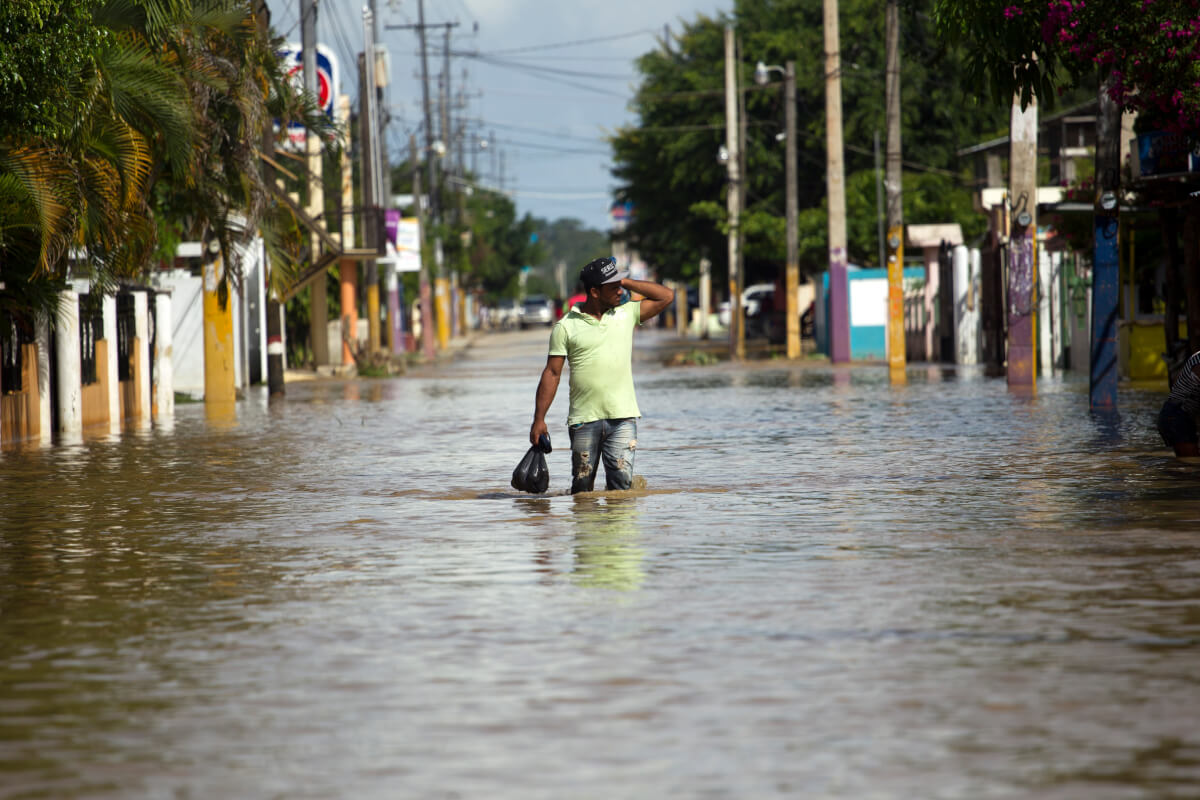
(752, 297)
(537, 310)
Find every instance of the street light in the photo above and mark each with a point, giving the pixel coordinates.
(762, 74)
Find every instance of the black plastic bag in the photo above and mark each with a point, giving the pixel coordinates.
(532, 475)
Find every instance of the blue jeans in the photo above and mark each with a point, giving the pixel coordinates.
(1175, 425)
(615, 440)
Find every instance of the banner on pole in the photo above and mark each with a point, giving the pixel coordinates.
(403, 242)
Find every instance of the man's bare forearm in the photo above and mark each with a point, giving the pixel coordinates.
(649, 289)
(547, 388)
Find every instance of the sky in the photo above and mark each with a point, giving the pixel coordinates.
(544, 82)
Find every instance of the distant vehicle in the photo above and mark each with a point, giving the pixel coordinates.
(537, 310)
(755, 299)
(508, 314)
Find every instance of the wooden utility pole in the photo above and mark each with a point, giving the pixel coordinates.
(1022, 245)
(1102, 392)
(897, 357)
(792, 278)
(373, 195)
(275, 383)
(348, 267)
(733, 199)
(839, 290)
(319, 308)
(427, 327)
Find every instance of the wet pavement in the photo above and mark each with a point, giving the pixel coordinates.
(830, 586)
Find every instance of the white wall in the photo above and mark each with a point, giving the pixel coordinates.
(164, 373)
(187, 329)
(141, 330)
(109, 305)
(67, 359)
(966, 305)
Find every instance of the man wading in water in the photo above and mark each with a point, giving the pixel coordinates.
(596, 338)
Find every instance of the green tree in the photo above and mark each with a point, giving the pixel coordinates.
(1150, 49)
(666, 162)
(569, 242)
(151, 123)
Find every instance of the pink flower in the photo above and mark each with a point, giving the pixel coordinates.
(1012, 12)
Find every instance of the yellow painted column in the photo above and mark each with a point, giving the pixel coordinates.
(441, 297)
(219, 353)
(373, 327)
(348, 274)
(897, 358)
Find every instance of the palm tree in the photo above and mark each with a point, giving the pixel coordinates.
(162, 135)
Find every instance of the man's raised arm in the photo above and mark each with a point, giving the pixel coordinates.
(657, 297)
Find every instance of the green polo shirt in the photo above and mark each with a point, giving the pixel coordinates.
(600, 355)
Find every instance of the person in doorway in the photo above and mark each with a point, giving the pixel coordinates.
(595, 338)
(1177, 419)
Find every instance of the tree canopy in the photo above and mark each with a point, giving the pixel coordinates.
(131, 118)
(1146, 51)
(667, 165)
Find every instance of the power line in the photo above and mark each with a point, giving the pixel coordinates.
(552, 148)
(538, 131)
(576, 43)
(570, 73)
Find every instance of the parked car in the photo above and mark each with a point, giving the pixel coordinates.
(537, 310)
(507, 314)
(755, 298)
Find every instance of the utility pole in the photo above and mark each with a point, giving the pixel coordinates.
(275, 383)
(897, 357)
(1022, 260)
(880, 213)
(319, 308)
(373, 194)
(839, 289)
(427, 328)
(441, 289)
(445, 137)
(1102, 393)
(733, 199)
(792, 278)
(348, 268)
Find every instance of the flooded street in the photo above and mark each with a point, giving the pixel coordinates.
(831, 587)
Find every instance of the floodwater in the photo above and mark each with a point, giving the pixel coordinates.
(830, 587)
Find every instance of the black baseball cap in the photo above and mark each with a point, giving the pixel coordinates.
(601, 271)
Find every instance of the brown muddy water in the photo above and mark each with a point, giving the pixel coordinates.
(831, 587)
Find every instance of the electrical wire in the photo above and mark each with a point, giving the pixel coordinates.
(570, 73)
(537, 131)
(576, 43)
(552, 148)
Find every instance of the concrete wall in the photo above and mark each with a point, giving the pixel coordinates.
(966, 306)
(186, 329)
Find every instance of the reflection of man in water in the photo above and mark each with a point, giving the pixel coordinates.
(1177, 420)
(596, 339)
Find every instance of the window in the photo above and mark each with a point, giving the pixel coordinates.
(126, 328)
(91, 330)
(10, 354)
